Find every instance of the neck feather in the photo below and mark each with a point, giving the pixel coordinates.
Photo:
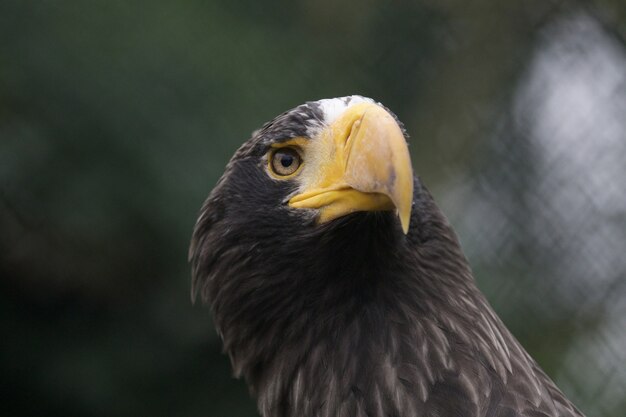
(365, 318)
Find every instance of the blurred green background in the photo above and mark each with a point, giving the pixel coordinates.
(118, 117)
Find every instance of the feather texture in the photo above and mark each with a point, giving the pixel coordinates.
(353, 318)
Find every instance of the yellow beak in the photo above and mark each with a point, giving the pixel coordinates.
(361, 162)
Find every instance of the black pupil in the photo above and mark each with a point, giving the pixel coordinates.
(286, 160)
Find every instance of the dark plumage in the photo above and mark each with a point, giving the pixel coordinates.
(350, 316)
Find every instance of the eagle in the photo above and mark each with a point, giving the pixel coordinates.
(338, 287)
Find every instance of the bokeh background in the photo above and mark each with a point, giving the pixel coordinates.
(117, 118)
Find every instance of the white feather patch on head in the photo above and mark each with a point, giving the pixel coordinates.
(331, 109)
(334, 107)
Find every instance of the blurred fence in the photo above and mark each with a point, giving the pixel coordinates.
(116, 119)
(544, 214)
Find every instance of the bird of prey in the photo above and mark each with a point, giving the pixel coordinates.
(338, 287)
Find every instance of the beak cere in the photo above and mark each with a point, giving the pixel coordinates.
(360, 162)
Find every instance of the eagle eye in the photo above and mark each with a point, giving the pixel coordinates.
(284, 162)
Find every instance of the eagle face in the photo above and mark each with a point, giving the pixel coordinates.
(322, 161)
(339, 288)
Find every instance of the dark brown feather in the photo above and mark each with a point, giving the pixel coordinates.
(353, 318)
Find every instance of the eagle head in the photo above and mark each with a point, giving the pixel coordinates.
(338, 287)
